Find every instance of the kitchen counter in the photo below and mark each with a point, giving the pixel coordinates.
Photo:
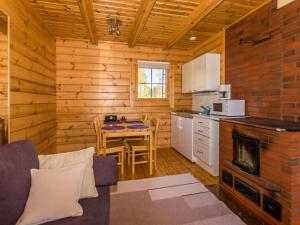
(192, 114)
(215, 117)
(271, 124)
(183, 114)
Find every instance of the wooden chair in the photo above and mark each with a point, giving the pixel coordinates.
(146, 119)
(113, 147)
(141, 148)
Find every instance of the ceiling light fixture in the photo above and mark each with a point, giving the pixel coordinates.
(193, 38)
(114, 26)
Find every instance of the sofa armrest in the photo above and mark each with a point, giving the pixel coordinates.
(105, 170)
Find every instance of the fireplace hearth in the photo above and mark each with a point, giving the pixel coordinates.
(246, 153)
(260, 156)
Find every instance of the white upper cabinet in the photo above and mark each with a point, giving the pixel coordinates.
(187, 79)
(199, 71)
(201, 74)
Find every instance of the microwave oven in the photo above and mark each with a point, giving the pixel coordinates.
(228, 107)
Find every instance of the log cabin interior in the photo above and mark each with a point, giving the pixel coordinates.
(161, 112)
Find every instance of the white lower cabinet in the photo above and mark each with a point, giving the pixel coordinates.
(182, 135)
(174, 132)
(197, 139)
(206, 144)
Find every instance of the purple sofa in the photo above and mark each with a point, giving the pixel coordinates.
(18, 158)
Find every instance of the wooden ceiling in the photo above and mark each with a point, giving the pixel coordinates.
(166, 23)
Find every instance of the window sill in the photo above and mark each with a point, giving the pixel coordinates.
(152, 99)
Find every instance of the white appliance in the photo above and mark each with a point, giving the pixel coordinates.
(182, 135)
(225, 91)
(228, 107)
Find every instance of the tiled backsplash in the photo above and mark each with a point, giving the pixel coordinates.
(203, 99)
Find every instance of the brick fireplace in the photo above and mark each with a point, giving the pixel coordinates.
(273, 190)
(246, 153)
(267, 75)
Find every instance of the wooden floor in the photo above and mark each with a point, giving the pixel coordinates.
(169, 162)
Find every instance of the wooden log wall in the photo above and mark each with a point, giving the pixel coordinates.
(100, 80)
(32, 74)
(3, 81)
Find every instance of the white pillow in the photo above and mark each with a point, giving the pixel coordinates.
(53, 195)
(88, 189)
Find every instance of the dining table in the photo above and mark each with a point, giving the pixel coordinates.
(130, 128)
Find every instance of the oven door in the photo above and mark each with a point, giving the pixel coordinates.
(218, 108)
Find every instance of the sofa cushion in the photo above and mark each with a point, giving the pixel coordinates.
(53, 195)
(95, 211)
(88, 189)
(16, 160)
(105, 170)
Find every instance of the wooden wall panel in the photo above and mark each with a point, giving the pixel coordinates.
(100, 80)
(32, 73)
(4, 110)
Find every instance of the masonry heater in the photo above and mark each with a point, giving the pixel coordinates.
(246, 153)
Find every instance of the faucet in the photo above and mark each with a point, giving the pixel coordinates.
(206, 110)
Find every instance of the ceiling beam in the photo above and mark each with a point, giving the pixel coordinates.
(140, 21)
(87, 13)
(202, 10)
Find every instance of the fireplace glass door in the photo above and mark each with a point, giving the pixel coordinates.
(246, 153)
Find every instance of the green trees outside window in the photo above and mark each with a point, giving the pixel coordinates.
(152, 83)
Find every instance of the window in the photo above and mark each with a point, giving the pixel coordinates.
(152, 79)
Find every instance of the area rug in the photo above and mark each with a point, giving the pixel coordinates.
(169, 200)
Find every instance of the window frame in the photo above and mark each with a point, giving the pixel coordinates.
(166, 84)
